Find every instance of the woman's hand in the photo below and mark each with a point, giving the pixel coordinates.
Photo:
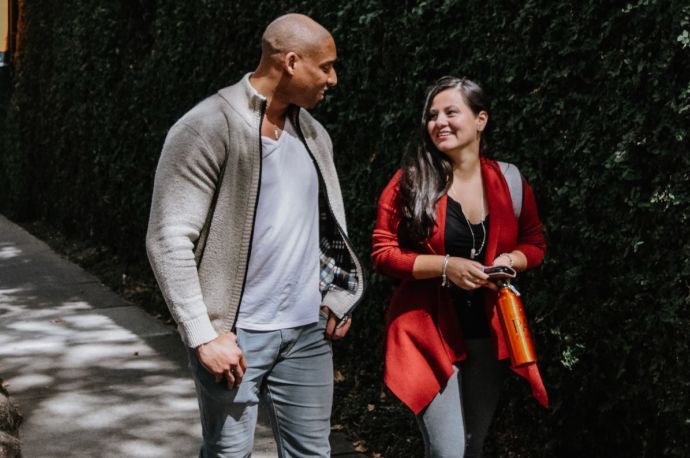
(467, 274)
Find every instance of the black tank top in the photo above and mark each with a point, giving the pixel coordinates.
(458, 242)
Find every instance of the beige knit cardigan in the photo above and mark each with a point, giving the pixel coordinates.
(202, 211)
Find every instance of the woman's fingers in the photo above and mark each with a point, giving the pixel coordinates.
(467, 274)
(477, 271)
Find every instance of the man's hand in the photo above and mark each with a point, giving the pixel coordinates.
(223, 358)
(335, 328)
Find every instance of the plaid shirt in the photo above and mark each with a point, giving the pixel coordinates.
(337, 268)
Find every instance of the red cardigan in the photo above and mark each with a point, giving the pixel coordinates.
(424, 337)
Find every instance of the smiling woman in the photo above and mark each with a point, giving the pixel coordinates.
(453, 125)
(433, 233)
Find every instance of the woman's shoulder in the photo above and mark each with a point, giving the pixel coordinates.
(396, 179)
(490, 163)
(397, 176)
(392, 188)
(503, 168)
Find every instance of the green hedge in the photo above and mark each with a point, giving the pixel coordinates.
(591, 100)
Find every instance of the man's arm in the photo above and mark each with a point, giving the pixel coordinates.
(183, 190)
(185, 183)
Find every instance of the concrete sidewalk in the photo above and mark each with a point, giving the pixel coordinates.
(94, 375)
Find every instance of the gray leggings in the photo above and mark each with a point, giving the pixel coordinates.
(456, 422)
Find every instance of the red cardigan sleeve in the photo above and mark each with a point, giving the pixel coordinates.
(531, 240)
(388, 256)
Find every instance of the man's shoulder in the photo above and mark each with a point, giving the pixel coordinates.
(311, 127)
(220, 110)
(205, 115)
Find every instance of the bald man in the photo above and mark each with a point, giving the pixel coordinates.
(248, 241)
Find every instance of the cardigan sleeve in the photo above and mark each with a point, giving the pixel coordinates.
(531, 240)
(184, 185)
(387, 255)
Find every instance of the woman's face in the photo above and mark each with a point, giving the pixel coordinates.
(451, 125)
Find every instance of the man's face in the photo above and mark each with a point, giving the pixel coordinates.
(314, 74)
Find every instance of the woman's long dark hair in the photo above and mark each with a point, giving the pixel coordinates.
(427, 172)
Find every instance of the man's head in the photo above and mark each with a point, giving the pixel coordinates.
(302, 53)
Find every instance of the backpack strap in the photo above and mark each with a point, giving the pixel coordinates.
(514, 179)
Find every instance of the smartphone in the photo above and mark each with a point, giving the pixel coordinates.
(500, 272)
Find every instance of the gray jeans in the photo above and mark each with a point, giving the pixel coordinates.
(289, 369)
(456, 422)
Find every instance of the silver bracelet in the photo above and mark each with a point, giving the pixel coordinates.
(444, 277)
(510, 258)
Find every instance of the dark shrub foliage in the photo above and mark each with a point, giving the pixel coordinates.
(591, 100)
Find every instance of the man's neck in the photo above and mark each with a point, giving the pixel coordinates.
(266, 85)
(273, 121)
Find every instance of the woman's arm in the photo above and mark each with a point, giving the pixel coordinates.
(388, 256)
(531, 244)
(391, 259)
(465, 273)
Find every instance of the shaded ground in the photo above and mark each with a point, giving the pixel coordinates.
(366, 419)
(381, 431)
(93, 374)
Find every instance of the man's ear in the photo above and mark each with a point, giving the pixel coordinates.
(290, 62)
(482, 119)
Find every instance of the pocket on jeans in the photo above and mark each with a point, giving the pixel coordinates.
(192, 362)
(323, 316)
(198, 370)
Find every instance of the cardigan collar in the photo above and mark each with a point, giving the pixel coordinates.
(245, 100)
(250, 105)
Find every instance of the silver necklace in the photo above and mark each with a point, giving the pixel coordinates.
(474, 252)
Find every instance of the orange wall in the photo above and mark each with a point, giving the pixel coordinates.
(4, 26)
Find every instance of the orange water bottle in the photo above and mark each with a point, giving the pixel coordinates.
(512, 315)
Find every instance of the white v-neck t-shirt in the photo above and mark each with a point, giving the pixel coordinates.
(282, 287)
